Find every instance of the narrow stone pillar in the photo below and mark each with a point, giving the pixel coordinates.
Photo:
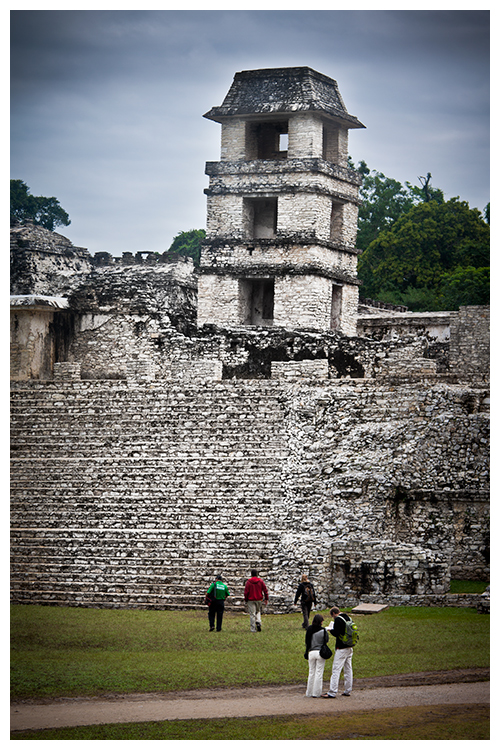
(67, 371)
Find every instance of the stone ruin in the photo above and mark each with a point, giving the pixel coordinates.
(171, 422)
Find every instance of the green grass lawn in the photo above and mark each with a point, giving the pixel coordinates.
(59, 651)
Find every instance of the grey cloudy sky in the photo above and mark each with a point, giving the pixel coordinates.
(107, 105)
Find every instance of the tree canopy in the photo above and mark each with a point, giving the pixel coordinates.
(46, 212)
(188, 244)
(384, 200)
(438, 248)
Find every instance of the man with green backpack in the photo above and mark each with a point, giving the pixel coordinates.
(346, 636)
(215, 597)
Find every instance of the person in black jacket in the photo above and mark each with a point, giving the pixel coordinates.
(305, 591)
(343, 655)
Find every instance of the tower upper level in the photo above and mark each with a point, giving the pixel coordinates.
(283, 113)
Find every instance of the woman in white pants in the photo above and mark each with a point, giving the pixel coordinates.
(316, 635)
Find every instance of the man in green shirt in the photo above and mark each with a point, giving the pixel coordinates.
(217, 594)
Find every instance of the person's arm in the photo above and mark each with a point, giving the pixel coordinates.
(299, 591)
(338, 626)
(308, 639)
(264, 589)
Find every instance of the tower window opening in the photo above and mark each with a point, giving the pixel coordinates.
(267, 140)
(336, 308)
(256, 301)
(330, 143)
(260, 217)
(336, 222)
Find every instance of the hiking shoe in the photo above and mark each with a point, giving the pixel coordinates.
(346, 694)
(327, 695)
(258, 628)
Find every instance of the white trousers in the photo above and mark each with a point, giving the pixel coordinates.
(341, 661)
(315, 680)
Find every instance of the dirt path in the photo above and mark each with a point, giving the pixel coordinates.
(423, 689)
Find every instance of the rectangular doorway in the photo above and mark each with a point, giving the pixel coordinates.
(257, 301)
(336, 309)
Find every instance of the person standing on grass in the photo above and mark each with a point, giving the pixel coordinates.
(342, 659)
(316, 635)
(255, 593)
(217, 594)
(305, 591)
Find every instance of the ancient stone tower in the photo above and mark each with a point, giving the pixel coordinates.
(282, 206)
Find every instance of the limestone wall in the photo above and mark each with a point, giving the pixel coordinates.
(470, 341)
(304, 192)
(270, 258)
(135, 493)
(44, 262)
(401, 463)
(32, 346)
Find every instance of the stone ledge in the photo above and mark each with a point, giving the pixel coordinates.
(427, 600)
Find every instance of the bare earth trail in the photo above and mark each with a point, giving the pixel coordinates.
(421, 689)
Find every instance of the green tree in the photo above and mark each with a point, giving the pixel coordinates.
(426, 192)
(422, 248)
(486, 213)
(46, 212)
(384, 200)
(188, 244)
(465, 286)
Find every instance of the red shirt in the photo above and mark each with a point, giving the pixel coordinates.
(255, 590)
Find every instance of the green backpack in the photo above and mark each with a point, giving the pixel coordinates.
(351, 635)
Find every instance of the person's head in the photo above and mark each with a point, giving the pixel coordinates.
(219, 578)
(334, 612)
(254, 573)
(304, 578)
(316, 623)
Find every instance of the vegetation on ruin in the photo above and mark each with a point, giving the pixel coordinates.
(418, 249)
(188, 244)
(46, 212)
(467, 587)
(65, 651)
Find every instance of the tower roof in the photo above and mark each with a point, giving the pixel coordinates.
(273, 91)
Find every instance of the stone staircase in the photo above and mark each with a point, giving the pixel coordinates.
(138, 496)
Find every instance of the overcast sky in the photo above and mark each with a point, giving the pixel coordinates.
(107, 106)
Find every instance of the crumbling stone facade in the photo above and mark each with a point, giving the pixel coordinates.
(359, 460)
(163, 431)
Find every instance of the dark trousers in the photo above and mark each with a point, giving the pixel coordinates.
(306, 611)
(216, 608)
